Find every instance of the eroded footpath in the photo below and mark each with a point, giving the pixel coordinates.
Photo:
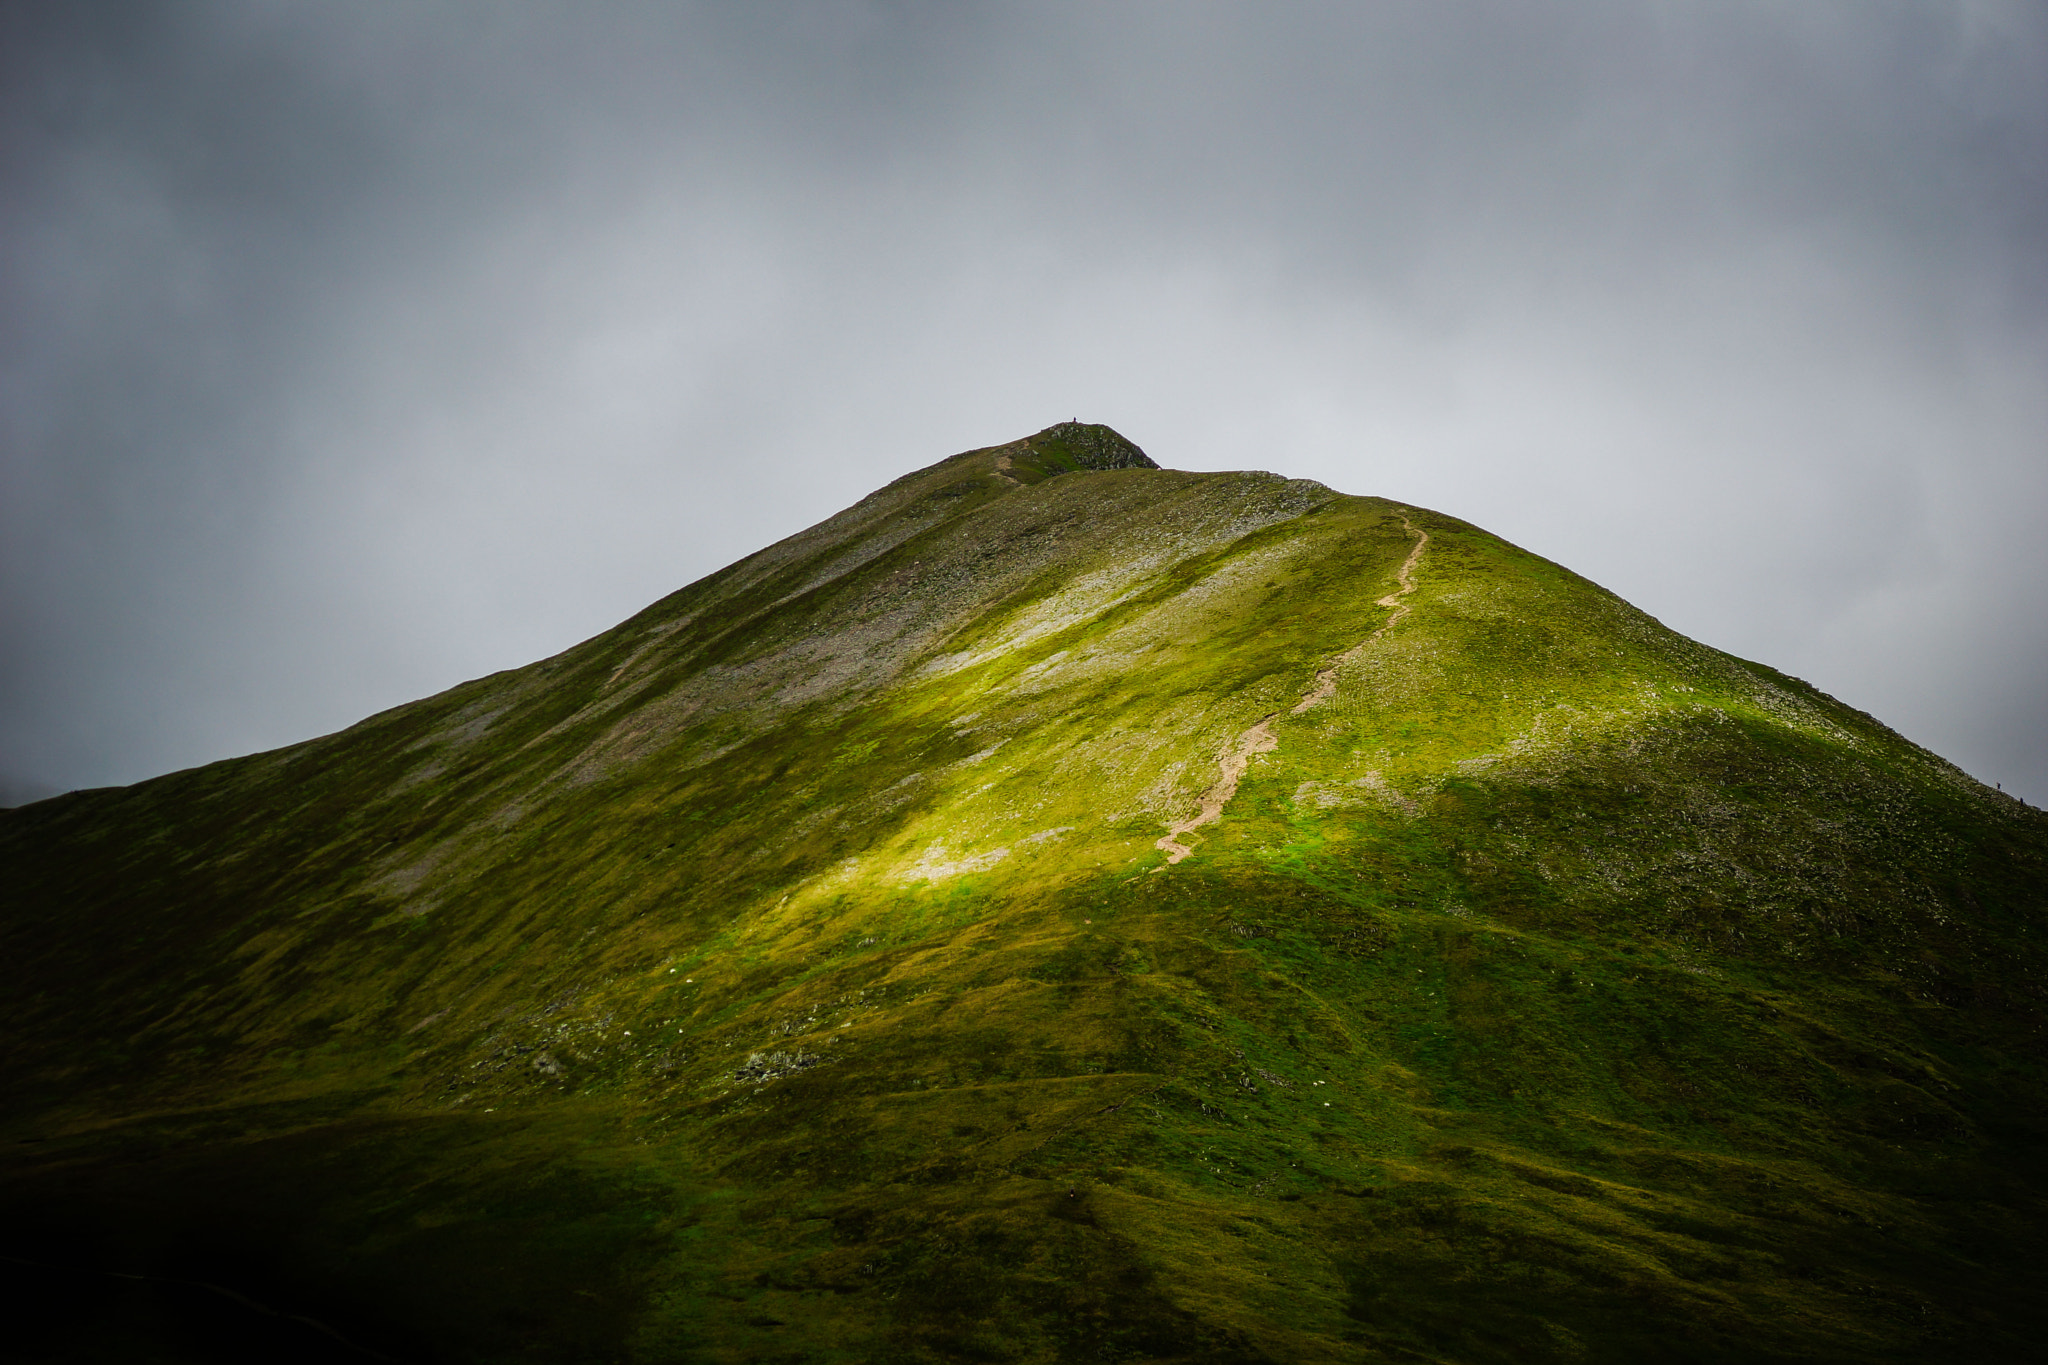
(1236, 758)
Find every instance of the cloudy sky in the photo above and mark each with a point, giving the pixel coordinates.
(349, 350)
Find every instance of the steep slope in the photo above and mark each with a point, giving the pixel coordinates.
(1056, 909)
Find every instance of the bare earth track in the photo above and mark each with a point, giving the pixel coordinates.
(1260, 739)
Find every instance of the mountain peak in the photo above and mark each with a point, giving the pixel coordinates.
(1087, 445)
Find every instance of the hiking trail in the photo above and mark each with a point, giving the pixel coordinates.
(1233, 763)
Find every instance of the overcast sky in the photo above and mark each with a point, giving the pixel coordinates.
(350, 350)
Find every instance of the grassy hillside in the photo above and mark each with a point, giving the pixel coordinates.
(1057, 909)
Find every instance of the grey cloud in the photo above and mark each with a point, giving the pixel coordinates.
(349, 351)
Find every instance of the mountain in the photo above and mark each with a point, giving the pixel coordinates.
(1057, 909)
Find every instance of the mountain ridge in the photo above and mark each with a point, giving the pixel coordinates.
(800, 969)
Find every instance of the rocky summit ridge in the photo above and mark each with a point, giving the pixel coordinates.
(1056, 909)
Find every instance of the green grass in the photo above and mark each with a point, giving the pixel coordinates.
(791, 974)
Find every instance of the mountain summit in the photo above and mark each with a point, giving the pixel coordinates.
(1056, 909)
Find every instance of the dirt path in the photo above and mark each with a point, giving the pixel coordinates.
(1326, 681)
(1260, 739)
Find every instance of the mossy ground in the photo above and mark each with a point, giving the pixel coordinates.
(792, 974)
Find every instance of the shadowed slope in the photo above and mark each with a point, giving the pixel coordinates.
(798, 971)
